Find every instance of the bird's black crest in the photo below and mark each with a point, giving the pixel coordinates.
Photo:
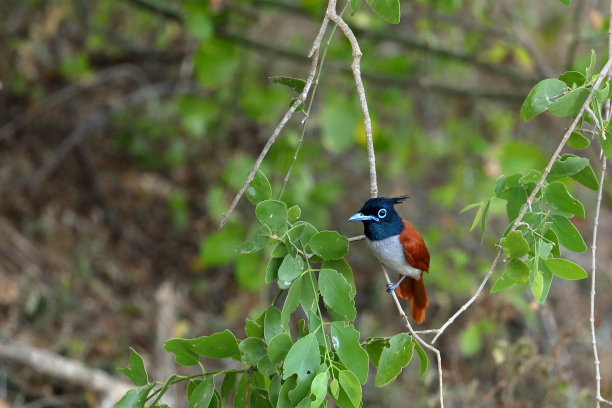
(397, 200)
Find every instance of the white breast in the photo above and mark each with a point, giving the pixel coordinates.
(390, 252)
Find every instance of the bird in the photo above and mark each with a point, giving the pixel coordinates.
(400, 247)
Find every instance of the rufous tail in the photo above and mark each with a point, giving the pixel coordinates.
(414, 292)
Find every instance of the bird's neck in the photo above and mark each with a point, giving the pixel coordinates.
(376, 231)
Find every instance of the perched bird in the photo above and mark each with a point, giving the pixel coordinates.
(400, 247)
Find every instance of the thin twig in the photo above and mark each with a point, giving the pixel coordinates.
(593, 274)
(597, 125)
(356, 238)
(314, 54)
(356, 67)
(532, 196)
(419, 339)
(608, 112)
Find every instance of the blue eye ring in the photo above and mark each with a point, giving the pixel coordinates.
(382, 213)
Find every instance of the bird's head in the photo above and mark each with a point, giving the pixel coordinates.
(380, 220)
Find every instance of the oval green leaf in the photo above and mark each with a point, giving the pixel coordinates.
(272, 213)
(335, 291)
(257, 241)
(540, 97)
(565, 269)
(291, 268)
(135, 370)
(577, 141)
(346, 343)
(252, 349)
(569, 104)
(218, 345)
(279, 346)
(394, 359)
(558, 199)
(386, 9)
(329, 245)
(259, 189)
(350, 385)
(567, 233)
(515, 245)
(517, 271)
(567, 165)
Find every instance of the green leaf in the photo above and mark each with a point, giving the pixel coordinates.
(387, 9)
(565, 269)
(278, 347)
(532, 177)
(329, 245)
(422, 357)
(483, 223)
(344, 269)
(294, 213)
(272, 323)
(517, 271)
(567, 233)
(375, 349)
(135, 370)
(346, 343)
(318, 388)
(272, 213)
(290, 268)
(570, 103)
(547, 277)
(182, 351)
(558, 199)
(516, 199)
(258, 398)
(241, 392)
(537, 285)
(394, 358)
(218, 345)
(291, 302)
(601, 94)
(228, 384)
(253, 328)
(294, 83)
(477, 216)
(336, 294)
(473, 205)
(259, 189)
(202, 395)
(350, 385)
(573, 78)
(501, 284)
(540, 97)
(252, 349)
(606, 144)
(283, 397)
(577, 141)
(515, 245)
(567, 165)
(135, 398)
(303, 360)
(590, 70)
(272, 269)
(355, 6)
(587, 178)
(566, 2)
(274, 389)
(257, 241)
(334, 388)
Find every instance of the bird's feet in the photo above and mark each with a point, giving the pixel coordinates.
(391, 287)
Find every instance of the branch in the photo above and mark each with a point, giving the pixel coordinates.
(314, 53)
(66, 369)
(531, 198)
(355, 66)
(419, 339)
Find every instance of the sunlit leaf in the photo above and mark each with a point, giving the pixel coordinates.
(558, 199)
(540, 97)
(387, 9)
(346, 343)
(135, 370)
(259, 189)
(565, 269)
(394, 359)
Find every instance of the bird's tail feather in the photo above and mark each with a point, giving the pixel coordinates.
(414, 291)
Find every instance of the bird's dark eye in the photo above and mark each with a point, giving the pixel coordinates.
(382, 213)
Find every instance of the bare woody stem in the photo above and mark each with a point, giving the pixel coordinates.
(314, 54)
(531, 197)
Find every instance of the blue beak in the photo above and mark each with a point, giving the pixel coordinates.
(361, 217)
